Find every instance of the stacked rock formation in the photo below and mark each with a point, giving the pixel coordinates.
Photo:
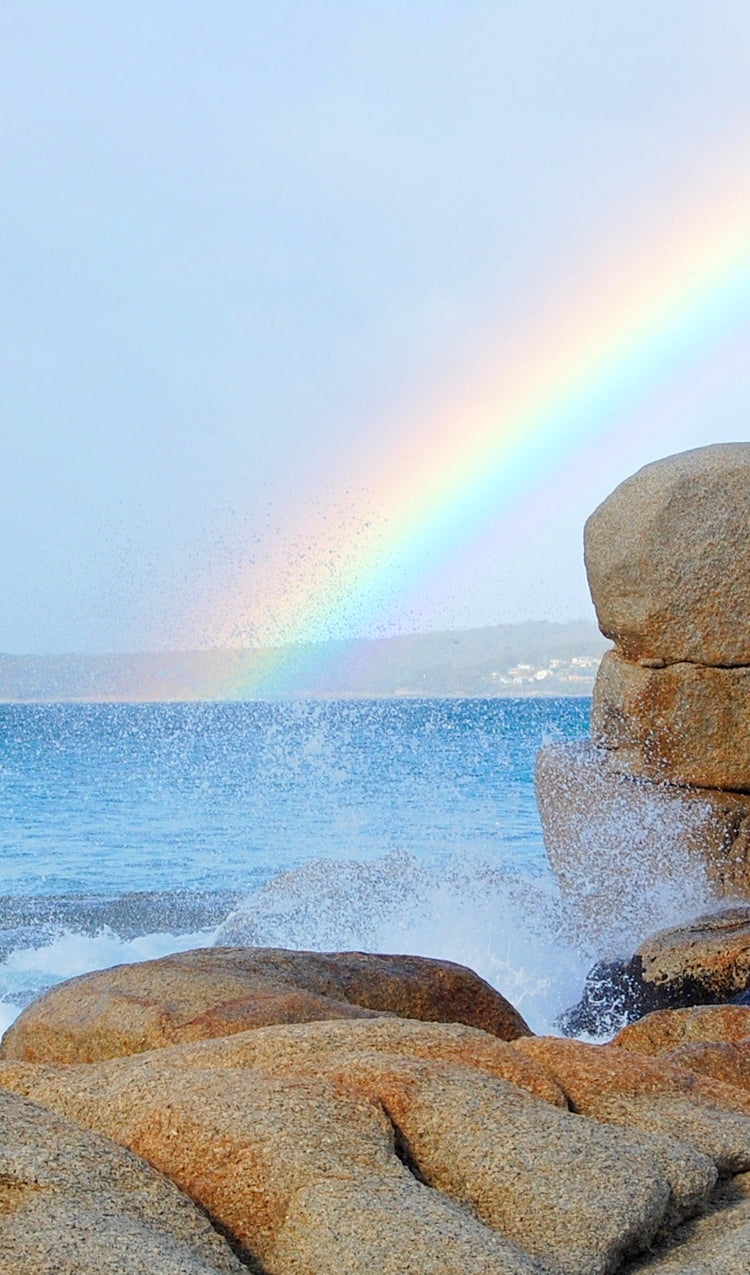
(663, 789)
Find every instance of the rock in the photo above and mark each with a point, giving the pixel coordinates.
(667, 558)
(716, 1244)
(640, 1092)
(666, 1029)
(73, 1203)
(685, 724)
(623, 850)
(704, 962)
(362, 1146)
(217, 991)
(719, 1060)
(429, 1042)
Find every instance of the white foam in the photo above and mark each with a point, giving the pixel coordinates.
(33, 969)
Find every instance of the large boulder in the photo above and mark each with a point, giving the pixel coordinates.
(372, 1145)
(74, 1203)
(721, 1060)
(667, 558)
(217, 991)
(685, 723)
(623, 850)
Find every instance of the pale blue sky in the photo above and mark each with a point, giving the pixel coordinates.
(236, 236)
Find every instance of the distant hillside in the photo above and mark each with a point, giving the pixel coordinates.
(504, 660)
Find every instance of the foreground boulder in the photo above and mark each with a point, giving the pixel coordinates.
(401, 1147)
(721, 1060)
(653, 1095)
(718, 1243)
(686, 723)
(667, 559)
(623, 850)
(704, 962)
(73, 1203)
(666, 1029)
(217, 991)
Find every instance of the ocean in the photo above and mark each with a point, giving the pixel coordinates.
(131, 831)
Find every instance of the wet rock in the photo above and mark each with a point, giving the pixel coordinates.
(341, 1146)
(704, 962)
(666, 1029)
(623, 849)
(666, 556)
(685, 724)
(217, 991)
(74, 1203)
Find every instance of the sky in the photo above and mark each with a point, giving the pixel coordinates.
(305, 304)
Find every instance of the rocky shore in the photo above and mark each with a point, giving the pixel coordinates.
(301, 1113)
(410, 1123)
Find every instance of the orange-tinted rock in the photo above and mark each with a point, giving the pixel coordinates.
(721, 1061)
(686, 723)
(73, 1203)
(294, 1152)
(703, 962)
(666, 1029)
(666, 556)
(216, 991)
(316, 1049)
(639, 1091)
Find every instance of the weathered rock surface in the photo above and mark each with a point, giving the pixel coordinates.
(704, 962)
(685, 724)
(650, 1094)
(666, 555)
(619, 846)
(667, 1029)
(73, 1203)
(718, 1243)
(217, 991)
(369, 1145)
(717, 1059)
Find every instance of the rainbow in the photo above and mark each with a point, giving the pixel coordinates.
(635, 326)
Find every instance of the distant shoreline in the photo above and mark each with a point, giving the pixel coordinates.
(538, 660)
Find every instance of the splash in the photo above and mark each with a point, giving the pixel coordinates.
(512, 930)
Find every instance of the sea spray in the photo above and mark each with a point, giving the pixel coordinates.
(511, 929)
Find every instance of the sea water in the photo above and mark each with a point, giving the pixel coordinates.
(131, 831)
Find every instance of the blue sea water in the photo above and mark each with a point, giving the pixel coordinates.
(128, 831)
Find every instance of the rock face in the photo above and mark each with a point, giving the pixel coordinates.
(73, 1203)
(619, 846)
(667, 559)
(403, 1147)
(686, 723)
(217, 991)
(716, 1244)
(649, 1094)
(668, 562)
